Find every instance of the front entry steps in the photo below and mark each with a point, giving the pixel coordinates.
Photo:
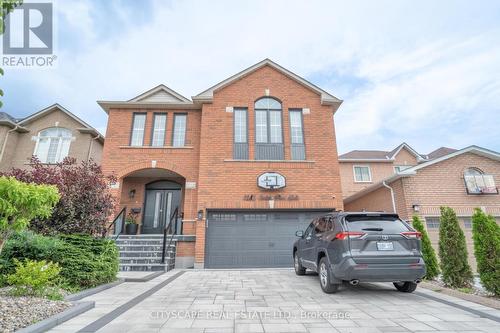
(143, 253)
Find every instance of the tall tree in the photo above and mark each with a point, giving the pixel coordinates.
(430, 258)
(486, 236)
(453, 251)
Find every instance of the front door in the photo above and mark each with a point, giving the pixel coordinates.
(159, 206)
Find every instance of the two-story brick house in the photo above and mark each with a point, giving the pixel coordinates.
(248, 162)
(51, 134)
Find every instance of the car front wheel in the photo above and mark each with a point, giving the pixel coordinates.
(405, 287)
(324, 278)
(299, 269)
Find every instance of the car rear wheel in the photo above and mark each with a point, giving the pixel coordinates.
(324, 278)
(299, 269)
(405, 287)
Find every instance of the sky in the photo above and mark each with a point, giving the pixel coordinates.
(423, 72)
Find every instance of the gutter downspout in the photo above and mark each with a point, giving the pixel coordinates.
(5, 141)
(90, 147)
(392, 196)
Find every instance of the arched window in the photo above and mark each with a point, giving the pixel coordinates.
(53, 144)
(268, 129)
(479, 183)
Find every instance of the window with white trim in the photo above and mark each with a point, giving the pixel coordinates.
(268, 129)
(138, 124)
(159, 129)
(179, 131)
(476, 182)
(362, 174)
(53, 144)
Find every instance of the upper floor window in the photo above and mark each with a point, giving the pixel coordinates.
(159, 128)
(179, 131)
(297, 135)
(362, 174)
(477, 182)
(432, 222)
(138, 125)
(53, 144)
(268, 129)
(240, 148)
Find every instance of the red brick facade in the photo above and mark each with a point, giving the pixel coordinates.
(206, 161)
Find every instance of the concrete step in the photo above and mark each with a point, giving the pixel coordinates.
(140, 248)
(142, 267)
(141, 254)
(142, 261)
(141, 242)
(153, 236)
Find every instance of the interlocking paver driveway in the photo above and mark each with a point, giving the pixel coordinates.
(280, 301)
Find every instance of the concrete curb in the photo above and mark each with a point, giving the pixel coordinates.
(146, 278)
(489, 302)
(92, 291)
(51, 322)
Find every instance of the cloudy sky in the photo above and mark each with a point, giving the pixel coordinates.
(424, 72)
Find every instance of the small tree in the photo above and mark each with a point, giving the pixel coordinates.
(430, 259)
(486, 236)
(20, 203)
(86, 203)
(453, 251)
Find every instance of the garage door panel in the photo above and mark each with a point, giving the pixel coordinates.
(253, 239)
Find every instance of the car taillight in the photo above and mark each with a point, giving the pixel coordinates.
(349, 234)
(412, 234)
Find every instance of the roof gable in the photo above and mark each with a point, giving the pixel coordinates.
(379, 155)
(393, 153)
(160, 94)
(326, 98)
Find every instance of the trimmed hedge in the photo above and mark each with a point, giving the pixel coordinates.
(430, 259)
(85, 261)
(453, 251)
(486, 236)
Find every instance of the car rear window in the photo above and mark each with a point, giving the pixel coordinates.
(387, 225)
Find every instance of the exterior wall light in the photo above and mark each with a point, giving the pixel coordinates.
(200, 214)
(416, 207)
(131, 194)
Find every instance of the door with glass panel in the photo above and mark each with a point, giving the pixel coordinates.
(161, 200)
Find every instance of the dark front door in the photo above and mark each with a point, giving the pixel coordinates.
(161, 202)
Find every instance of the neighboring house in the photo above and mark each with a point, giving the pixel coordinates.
(248, 162)
(463, 180)
(361, 168)
(51, 134)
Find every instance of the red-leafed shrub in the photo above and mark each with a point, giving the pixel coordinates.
(86, 203)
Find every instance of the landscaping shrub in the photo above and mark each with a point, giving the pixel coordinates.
(85, 261)
(20, 203)
(430, 259)
(35, 278)
(86, 203)
(453, 251)
(486, 236)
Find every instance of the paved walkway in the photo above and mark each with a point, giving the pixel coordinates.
(278, 301)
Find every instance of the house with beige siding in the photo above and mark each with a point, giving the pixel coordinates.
(50, 134)
(463, 180)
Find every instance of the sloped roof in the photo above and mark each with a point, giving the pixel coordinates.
(4, 116)
(160, 93)
(414, 170)
(442, 151)
(378, 155)
(326, 98)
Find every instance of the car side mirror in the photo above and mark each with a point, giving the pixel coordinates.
(299, 233)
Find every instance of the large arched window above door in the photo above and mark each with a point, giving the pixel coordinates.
(52, 144)
(268, 129)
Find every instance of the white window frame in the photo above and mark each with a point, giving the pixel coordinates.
(432, 217)
(59, 153)
(158, 133)
(362, 166)
(138, 129)
(179, 134)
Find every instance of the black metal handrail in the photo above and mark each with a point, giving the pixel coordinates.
(119, 217)
(173, 219)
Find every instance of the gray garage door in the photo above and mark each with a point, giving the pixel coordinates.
(254, 238)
